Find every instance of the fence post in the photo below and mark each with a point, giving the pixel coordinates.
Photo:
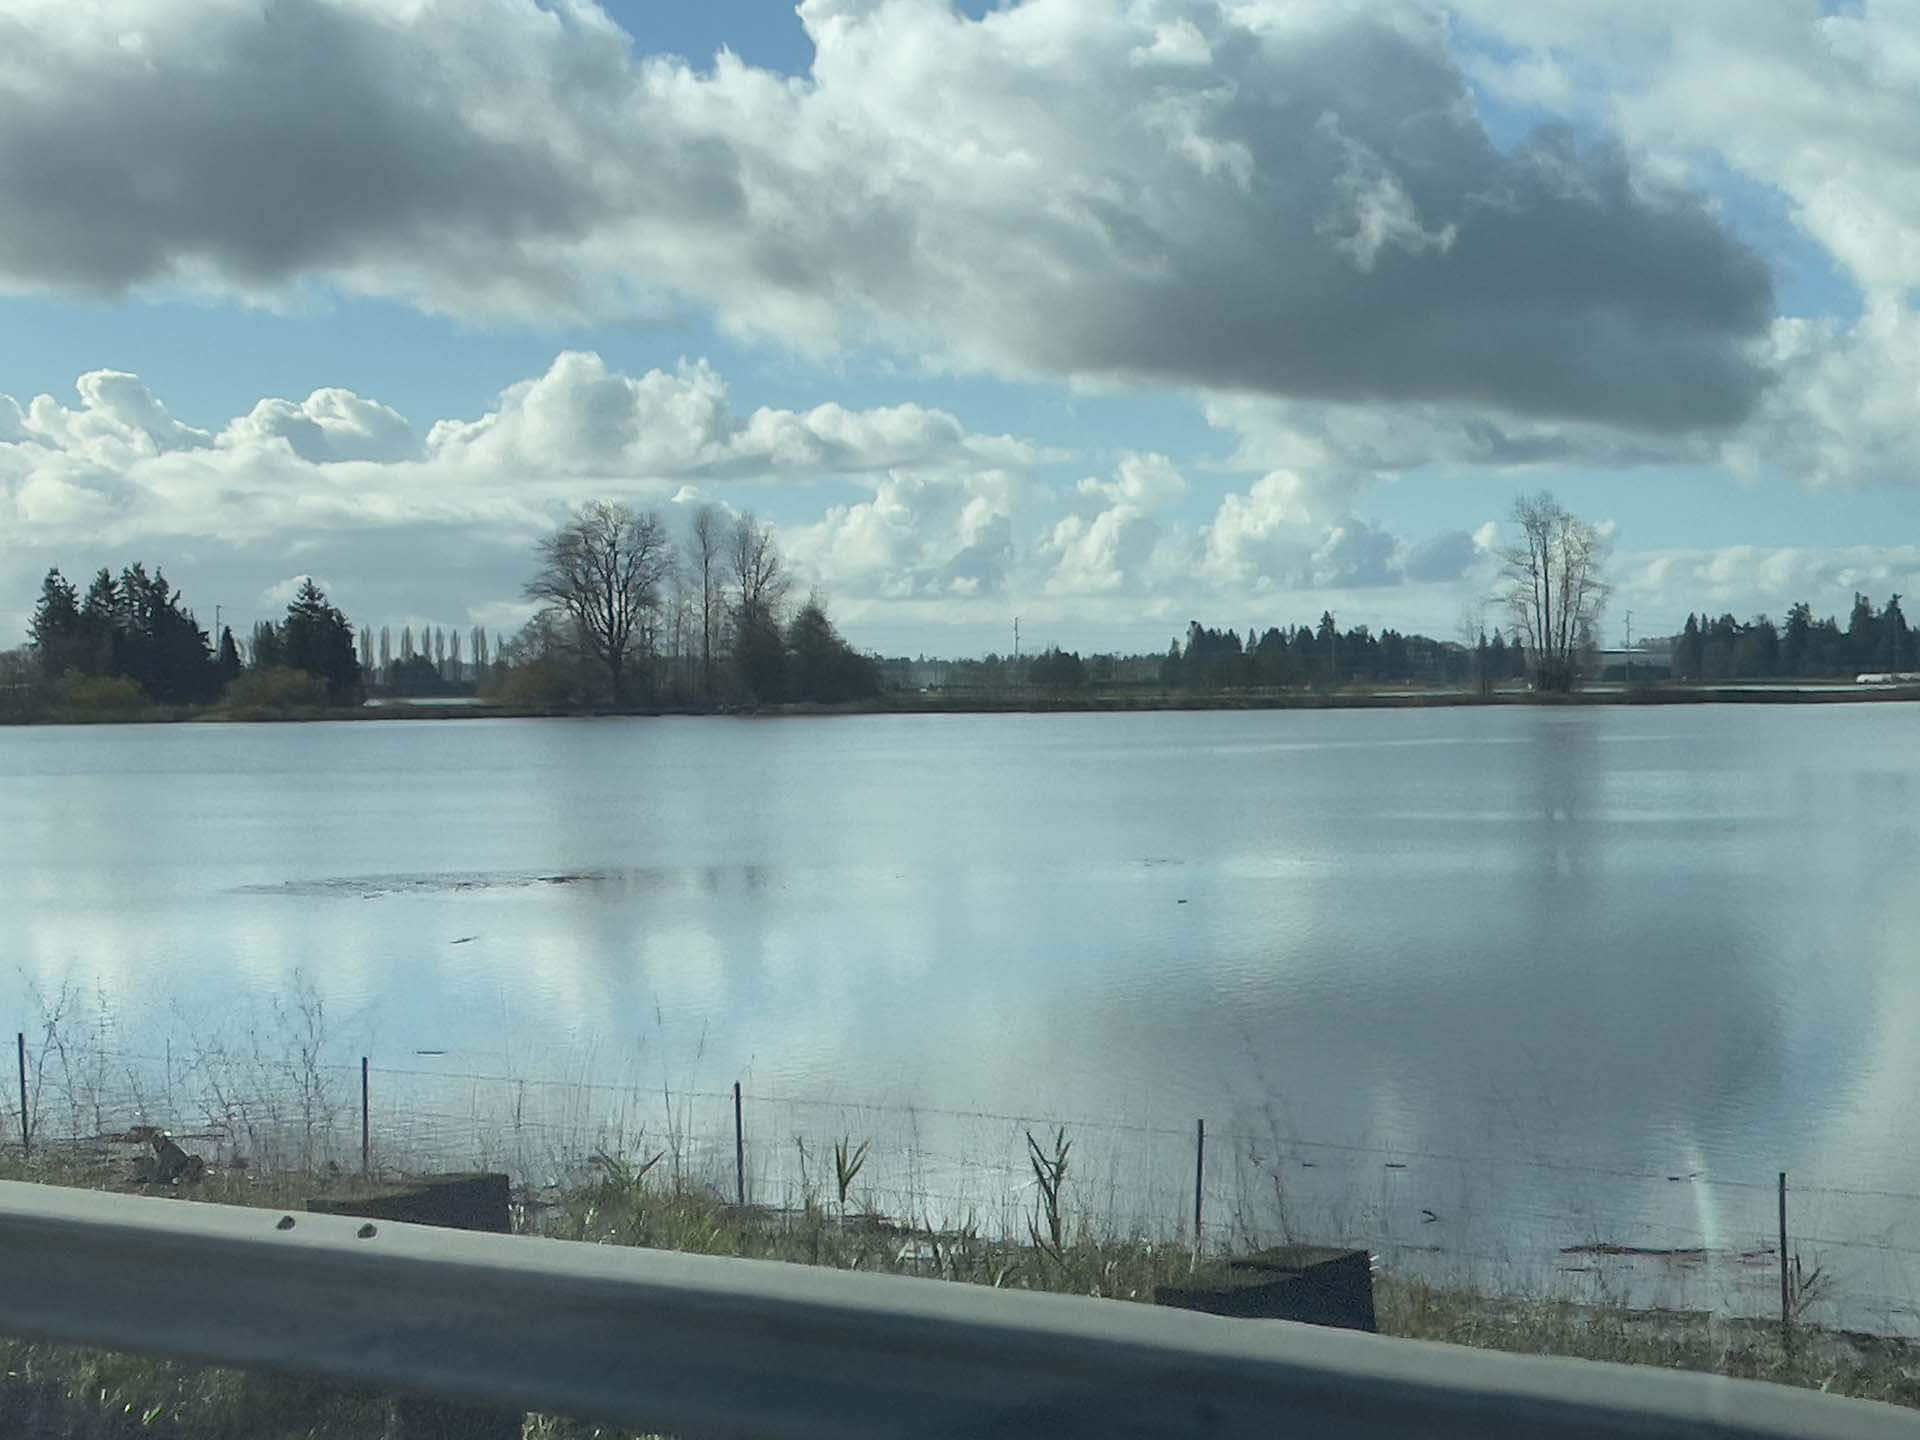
(1199, 1173)
(739, 1149)
(26, 1128)
(1786, 1298)
(366, 1122)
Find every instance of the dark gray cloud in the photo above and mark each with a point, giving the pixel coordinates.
(1385, 250)
(260, 142)
(1313, 211)
(1444, 557)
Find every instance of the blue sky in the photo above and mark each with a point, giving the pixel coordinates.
(1120, 315)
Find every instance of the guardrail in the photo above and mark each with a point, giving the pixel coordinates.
(696, 1345)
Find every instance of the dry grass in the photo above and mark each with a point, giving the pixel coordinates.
(56, 1391)
(1867, 1367)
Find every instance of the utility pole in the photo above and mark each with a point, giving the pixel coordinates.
(216, 627)
(1016, 639)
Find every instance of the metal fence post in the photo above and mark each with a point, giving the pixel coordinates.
(1199, 1173)
(26, 1126)
(739, 1149)
(366, 1122)
(1786, 1297)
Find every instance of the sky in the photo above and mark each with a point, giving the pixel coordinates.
(1105, 314)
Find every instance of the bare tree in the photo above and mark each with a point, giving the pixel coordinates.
(602, 571)
(680, 631)
(1472, 633)
(453, 656)
(705, 559)
(760, 581)
(1554, 586)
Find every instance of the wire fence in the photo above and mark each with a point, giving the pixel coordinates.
(1542, 1226)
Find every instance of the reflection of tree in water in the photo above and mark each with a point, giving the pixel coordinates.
(1562, 761)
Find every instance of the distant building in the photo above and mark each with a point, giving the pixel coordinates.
(904, 674)
(1635, 664)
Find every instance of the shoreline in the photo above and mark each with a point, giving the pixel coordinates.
(1007, 704)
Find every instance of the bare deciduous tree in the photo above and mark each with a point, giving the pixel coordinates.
(759, 579)
(1472, 631)
(760, 584)
(679, 628)
(602, 572)
(706, 556)
(1554, 586)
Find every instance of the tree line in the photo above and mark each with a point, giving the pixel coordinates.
(1552, 587)
(1874, 641)
(440, 662)
(1280, 657)
(628, 615)
(130, 639)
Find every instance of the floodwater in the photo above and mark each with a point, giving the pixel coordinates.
(1473, 984)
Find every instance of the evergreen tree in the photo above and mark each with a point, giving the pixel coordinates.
(1688, 655)
(1894, 642)
(823, 667)
(227, 663)
(158, 644)
(318, 640)
(105, 619)
(1860, 635)
(1057, 669)
(264, 651)
(1797, 643)
(54, 630)
(759, 652)
(1720, 643)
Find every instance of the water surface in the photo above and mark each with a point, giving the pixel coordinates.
(1571, 951)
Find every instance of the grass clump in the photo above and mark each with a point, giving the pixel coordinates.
(1866, 1367)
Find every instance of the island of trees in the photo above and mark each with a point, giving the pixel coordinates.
(130, 642)
(626, 617)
